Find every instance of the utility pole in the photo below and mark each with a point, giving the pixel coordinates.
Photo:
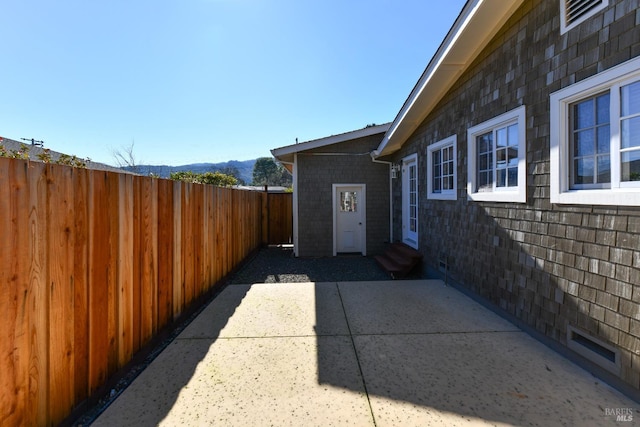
(34, 142)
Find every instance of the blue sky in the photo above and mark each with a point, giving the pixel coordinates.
(208, 80)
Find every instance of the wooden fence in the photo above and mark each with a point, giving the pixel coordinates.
(277, 218)
(92, 265)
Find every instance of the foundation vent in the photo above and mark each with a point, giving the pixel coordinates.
(594, 349)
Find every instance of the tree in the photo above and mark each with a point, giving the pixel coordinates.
(267, 172)
(125, 158)
(234, 172)
(212, 178)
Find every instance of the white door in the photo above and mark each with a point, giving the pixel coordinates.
(349, 231)
(410, 200)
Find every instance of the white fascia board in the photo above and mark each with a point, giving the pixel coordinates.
(329, 140)
(478, 22)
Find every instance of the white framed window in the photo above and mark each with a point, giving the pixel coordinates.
(574, 12)
(595, 139)
(497, 159)
(442, 169)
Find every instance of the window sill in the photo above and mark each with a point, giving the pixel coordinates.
(442, 196)
(506, 196)
(616, 197)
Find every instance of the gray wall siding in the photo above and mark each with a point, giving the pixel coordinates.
(550, 265)
(317, 173)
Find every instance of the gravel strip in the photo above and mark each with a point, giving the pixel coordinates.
(279, 265)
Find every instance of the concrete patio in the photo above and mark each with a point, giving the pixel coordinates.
(364, 354)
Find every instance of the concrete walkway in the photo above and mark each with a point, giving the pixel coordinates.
(403, 353)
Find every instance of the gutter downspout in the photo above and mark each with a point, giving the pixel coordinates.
(295, 205)
(373, 155)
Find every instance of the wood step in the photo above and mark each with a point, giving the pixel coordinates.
(406, 250)
(399, 260)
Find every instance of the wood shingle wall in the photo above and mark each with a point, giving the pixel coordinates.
(552, 266)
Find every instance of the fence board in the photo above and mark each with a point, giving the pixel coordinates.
(147, 252)
(81, 283)
(61, 292)
(113, 212)
(127, 287)
(165, 251)
(37, 406)
(99, 265)
(90, 260)
(177, 249)
(14, 346)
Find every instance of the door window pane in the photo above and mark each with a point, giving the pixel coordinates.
(348, 201)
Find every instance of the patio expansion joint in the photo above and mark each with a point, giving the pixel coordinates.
(355, 352)
(436, 333)
(260, 337)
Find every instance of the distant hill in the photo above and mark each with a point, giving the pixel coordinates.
(244, 169)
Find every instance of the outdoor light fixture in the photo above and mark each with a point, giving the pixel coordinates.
(394, 170)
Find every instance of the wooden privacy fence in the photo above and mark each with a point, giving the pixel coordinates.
(92, 265)
(277, 218)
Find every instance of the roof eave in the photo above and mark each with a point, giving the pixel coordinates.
(286, 154)
(476, 25)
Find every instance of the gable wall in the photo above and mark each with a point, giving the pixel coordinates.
(317, 173)
(549, 265)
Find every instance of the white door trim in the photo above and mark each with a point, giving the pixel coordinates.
(410, 237)
(363, 212)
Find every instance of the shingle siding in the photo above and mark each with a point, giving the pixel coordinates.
(320, 168)
(549, 265)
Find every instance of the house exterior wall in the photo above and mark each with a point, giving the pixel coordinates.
(320, 168)
(552, 266)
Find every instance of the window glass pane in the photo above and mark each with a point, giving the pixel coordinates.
(485, 162)
(583, 115)
(630, 129)
(501, 158)
(485, 181)
(348, 201)
(436, 185)
(584, 143)
(584, 171)
(631, 165)
(501, 137)
(604, 169)
(630, 99)
(604, 139)
(484, 143)
(512, 159)
(449, 182)
(602, 113)
(513, 135)
(501, 178)
(512, 177)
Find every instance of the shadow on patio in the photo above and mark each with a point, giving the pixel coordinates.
(357, 353)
